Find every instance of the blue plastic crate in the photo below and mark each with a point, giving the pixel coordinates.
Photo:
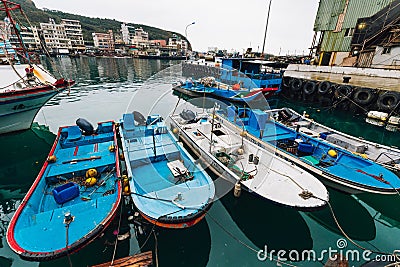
(65, 192)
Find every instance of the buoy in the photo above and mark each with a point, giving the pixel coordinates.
(240, 151)
(111, 148)
(377, 115)
(121, 156)
(236, 86)
(52, 159)
(125, 180)
(175, 130)
(243, 133)
(91, 181)
(91, 173)
(127, 190)
(332, 153)
(237, 190)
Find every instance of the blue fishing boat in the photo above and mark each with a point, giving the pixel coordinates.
(192, 88)
(209, 87)
(74, 197)
(167, 187)
(340, 168)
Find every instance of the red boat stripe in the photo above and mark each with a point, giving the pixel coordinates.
(76, 150)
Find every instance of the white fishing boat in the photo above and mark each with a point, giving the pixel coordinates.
(387, 156)
(239, 161)
(24, 86)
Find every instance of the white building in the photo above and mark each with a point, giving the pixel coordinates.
(128, 33)
(134, 36)
(141, 38)
(55, 37)
(73, 30)
(175, 42)
(104, 41)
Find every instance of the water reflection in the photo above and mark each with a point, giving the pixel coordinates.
(182, 247)
(354, 219)
(387, 208)
(265, 223)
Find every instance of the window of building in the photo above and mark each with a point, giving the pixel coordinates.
(349, 32)
(386, 50)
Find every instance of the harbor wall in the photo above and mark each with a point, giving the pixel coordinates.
(347, 88)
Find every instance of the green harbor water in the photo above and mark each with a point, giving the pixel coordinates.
(234, 229)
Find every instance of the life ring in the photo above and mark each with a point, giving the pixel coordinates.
(309, 87)
(388, 101)
(324, 87)
(364, 96)
(296, 84)
(286, 82)
(343, 91)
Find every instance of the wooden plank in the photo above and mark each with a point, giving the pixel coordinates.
(138, 260)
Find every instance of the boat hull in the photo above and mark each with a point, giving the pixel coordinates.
(18, 114)
(191, 93)
(389, 157)
(329, 179)
(177, 224)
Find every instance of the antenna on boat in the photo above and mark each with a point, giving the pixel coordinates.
(154, 142)
(266, 27)
(212, 126)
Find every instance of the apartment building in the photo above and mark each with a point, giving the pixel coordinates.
(104, 41)
(55, 37)
(73, 30)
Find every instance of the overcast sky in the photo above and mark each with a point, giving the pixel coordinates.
(226, 24)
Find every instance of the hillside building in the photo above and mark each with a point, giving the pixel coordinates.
(178, 44)
(73, 30)
(55, 37)
(104, 41)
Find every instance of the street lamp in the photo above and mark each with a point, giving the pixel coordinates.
(186, 37)
(187, 27)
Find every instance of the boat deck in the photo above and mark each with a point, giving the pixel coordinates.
(158, 190)
(267, 177)
(63, 189)
(345, 166)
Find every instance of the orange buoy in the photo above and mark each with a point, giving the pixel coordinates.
(52, 159)
(236, 86)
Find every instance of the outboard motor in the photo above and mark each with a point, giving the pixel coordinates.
(187, 115)
(139, 118)
(85, 126)
(284, 115)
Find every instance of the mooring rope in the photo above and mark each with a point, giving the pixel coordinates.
(344, 233)
(156, 247)
(67, 241)
(242, 242)
(116, 237)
